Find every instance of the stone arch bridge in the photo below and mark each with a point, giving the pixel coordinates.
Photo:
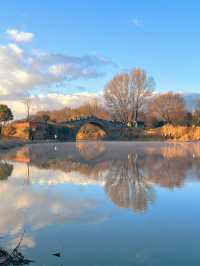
(114, 130)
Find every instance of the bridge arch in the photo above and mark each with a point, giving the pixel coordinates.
(97, 124)
(112, 129)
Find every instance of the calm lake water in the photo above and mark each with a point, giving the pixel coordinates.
(102, 203)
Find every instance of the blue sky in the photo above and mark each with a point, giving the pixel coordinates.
(162, 37)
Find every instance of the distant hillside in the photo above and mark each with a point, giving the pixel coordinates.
(191, 99)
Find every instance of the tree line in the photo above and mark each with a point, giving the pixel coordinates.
(128, 97)
(131, 97)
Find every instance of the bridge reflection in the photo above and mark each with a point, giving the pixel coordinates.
(129, 172)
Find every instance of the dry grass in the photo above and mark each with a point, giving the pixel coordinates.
(181, 133)
(16, 130)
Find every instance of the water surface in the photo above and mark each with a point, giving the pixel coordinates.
(101, 203)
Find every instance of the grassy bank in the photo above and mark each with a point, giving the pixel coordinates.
(176, 133)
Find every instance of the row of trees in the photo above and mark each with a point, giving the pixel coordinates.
(128, 98)
(131, 97)
(92, 107)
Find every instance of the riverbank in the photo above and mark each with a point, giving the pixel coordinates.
(7, 144)
(175, 133)
(166, 133)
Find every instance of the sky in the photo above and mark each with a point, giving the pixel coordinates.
(64, 52)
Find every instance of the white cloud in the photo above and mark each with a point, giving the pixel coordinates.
(28, 206)
(17, 75)
(51, 101)
(137, 22)
(16, 49)
(20, 36)
(57, 100)
(23, 72)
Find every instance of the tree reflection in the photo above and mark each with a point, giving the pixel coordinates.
(128, 171)
(13, 257)
(126, 185)
(167, 166)
(5, 170)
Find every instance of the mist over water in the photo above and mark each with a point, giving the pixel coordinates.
(102, 203)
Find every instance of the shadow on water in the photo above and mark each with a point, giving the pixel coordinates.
(12, 258)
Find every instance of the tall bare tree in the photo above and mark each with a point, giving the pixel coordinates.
(169, 107)
(28, 101)
(92, 107)
(126, 94)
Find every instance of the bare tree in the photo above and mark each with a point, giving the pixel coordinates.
(94, 107)
(126, 94)
(196, 113)
(116, 96)
(169, 107)
(28, 101)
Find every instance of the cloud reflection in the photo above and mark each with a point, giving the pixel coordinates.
(31, 194)
(23, 204)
